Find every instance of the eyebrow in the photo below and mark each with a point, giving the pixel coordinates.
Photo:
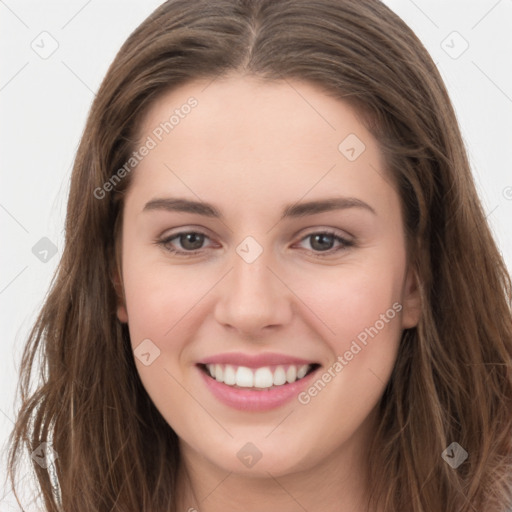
(295, 210)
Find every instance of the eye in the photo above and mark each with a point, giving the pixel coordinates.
(190, 242)
(322, 243)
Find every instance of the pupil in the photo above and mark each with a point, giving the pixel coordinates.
(322, 239)
(192, 241)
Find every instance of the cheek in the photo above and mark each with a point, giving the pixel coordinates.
(352, 299)
(160, 302)
(358, 311)
(362, 308)
(158, 296)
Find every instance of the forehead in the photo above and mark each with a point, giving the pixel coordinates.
(247, 136)
(254, 114)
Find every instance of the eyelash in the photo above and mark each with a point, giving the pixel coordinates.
(320, 254)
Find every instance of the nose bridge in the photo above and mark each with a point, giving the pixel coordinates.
(252, 297)
(253, 278)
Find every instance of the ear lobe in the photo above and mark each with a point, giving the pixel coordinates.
(122, 313)
(411, 300)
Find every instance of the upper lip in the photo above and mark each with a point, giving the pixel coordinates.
(254, 361)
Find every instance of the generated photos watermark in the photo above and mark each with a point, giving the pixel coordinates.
(151, 142)
(343, 360)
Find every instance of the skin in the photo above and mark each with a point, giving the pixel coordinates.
(250, 148)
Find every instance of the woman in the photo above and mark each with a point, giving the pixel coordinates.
(279, 289)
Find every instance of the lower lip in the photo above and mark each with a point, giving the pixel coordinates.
(255, 400)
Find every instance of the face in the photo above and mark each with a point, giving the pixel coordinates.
(262, 241)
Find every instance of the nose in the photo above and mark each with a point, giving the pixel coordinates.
(253, 297)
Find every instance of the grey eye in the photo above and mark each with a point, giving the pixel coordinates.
(191, 241)
(322, 241)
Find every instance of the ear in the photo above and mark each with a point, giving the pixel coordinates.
(411, 300)
(122, 313)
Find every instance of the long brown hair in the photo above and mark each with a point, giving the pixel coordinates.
(452, 381)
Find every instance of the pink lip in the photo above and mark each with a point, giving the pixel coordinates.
(253, 399)
(254, 361)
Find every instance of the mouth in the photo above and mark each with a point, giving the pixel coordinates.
(256, 383)
(264, 378)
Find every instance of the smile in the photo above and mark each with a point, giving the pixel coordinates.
(265, 377)
(258, 382)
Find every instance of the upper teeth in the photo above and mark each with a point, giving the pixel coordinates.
(264, 377)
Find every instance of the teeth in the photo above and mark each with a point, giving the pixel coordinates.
(279, 376)
(291, 374)
(301, 372)
(244, 377)
(261, 378)
(229, 376)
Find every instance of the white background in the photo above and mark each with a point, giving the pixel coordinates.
(44, 103)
